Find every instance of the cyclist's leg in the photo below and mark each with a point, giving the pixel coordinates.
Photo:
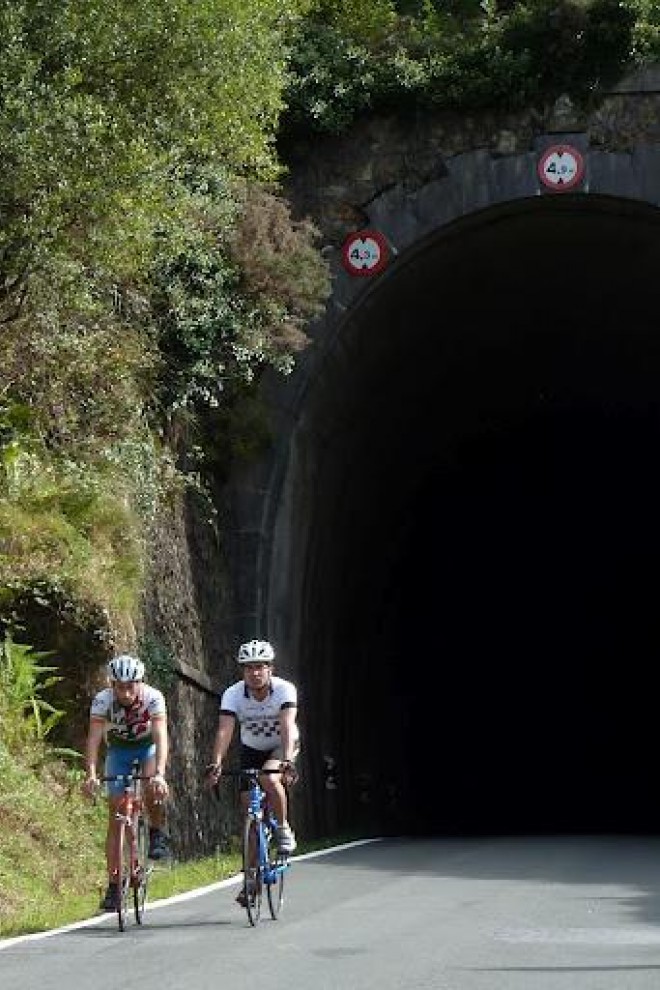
(277, 797)
(118, 760)
(249, 759)
(158, 846)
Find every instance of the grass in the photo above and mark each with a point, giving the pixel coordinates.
(49, 842)
(43, 911)
(52, 863)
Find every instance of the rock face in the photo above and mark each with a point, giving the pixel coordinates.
(340, 181)
(188, 632)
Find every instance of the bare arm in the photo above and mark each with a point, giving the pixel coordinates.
(223, 738)
(288, 732)
(94, 740)
(160, 738)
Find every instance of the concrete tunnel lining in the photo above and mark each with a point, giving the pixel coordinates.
(504, 364)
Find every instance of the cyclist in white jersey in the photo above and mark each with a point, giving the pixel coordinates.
(131, 717)
(265, 708)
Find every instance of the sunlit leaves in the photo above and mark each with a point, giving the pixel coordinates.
(98, 102)
(124, 129)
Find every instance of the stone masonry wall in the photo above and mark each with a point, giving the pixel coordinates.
(187, 615)
(335, 180)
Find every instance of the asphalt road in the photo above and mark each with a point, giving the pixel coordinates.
(542, 913)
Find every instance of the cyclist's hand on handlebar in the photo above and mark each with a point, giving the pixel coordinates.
(159, 787)
(213, 773)
(289, 773)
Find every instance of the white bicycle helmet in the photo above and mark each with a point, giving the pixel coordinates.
(257, 650)
(125, 668)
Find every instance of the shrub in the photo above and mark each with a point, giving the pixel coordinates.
(457, 56)
(26, 715)
(236, 296)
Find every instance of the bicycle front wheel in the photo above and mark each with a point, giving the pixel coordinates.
(252, 871)
(124, 882)
(141, 874)
(275, 887)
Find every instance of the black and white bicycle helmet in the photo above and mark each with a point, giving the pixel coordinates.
(257, 650)
(125, 668)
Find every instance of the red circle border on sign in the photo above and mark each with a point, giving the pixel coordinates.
(361, 235)
(561, 149)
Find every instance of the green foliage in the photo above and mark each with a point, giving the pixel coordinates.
(283, 278)
(158, 661)
(460, 55)
(26, 715)
(236, 296)
(129, 132)
(69, 524)
(51, 844)
(104, 108)
(369, 23)
(101, 103)
(235, 431)
(333, 80)
(647, 30)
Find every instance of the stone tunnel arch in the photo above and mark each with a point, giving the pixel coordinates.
(463, 465)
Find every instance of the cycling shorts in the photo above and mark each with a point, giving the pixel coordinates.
(254, 759)
(119, 759)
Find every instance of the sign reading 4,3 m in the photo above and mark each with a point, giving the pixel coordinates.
(561, 168)
(365, 253)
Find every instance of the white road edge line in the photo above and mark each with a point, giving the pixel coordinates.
(189, 895)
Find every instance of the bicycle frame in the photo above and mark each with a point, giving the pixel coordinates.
(260, 811)
(132, 871)
(259, 866)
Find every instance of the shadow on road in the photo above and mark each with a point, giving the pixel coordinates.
(598, 862)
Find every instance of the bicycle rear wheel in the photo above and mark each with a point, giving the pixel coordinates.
(141, 881)
(252, 872)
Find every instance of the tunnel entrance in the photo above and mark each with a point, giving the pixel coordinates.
(537, 560)
(482, 537)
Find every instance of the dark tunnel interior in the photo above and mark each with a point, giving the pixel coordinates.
(483, 551)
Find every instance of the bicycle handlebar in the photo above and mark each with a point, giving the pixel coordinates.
(124, 776)
(250, 772)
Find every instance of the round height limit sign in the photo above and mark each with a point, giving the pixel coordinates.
(365, 253)
(561, 167)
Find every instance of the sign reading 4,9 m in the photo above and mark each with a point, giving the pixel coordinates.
(561, 168)
(365, 253)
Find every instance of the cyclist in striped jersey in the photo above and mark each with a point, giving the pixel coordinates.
(131, 717)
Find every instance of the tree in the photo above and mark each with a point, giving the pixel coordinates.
(126, 128)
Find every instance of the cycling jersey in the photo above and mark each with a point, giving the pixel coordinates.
(128, 726)
(259, 721)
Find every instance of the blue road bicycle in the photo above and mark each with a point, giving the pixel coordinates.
(263, 865)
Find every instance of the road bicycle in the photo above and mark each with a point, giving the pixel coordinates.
(133, 846)
(263, 864)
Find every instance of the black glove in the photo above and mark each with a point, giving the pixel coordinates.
(289, 773)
